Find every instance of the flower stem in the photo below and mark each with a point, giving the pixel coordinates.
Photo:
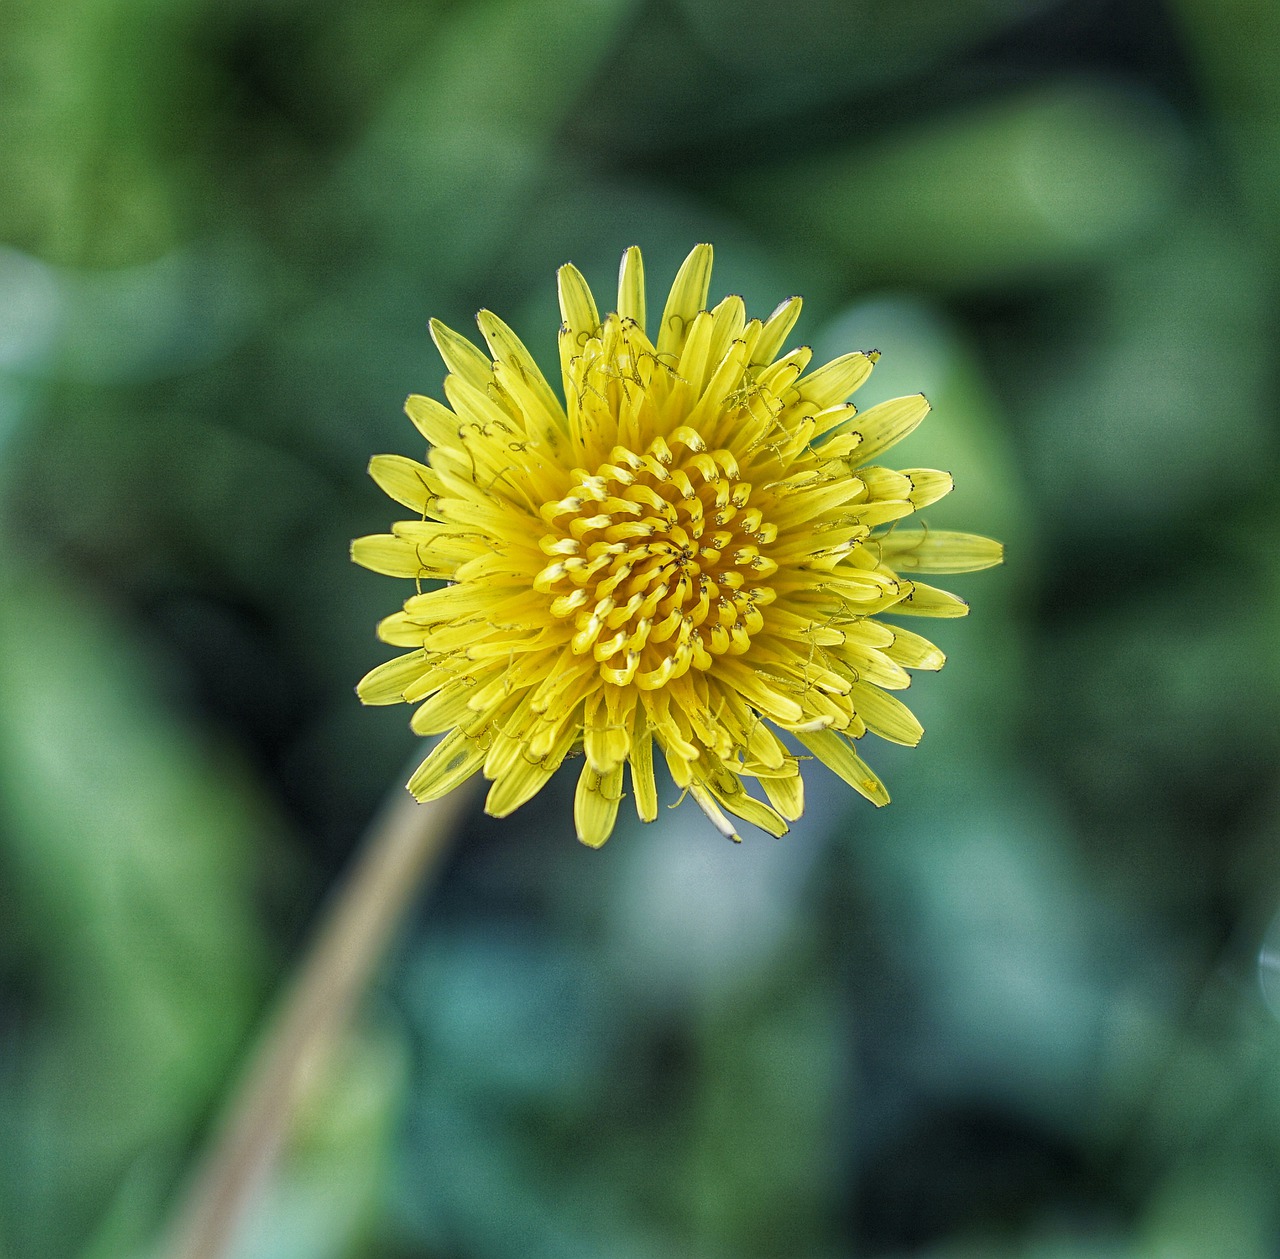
(401, 849)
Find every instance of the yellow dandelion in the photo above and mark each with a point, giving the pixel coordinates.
(693, 550)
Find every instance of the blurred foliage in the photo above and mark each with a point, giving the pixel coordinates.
(1017, 1013)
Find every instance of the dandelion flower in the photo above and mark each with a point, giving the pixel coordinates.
(691, 551)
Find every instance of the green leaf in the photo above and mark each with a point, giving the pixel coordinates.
(129, 846)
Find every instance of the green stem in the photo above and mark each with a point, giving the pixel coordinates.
(401, 849)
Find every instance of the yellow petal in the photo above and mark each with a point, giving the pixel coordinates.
(873, 666)
(810, 504)
(912, 651)
(395, 557)
(399, 631)
(775, 330)
(728, 319)
(786, 795)
(727, 790)
(631, 287)
(688, 296)
(938, 551)
(695, 352)
(510, 353)
(486, 427)
(605, 740)
(406, 480)
(527, 777)
(925, 600)
(641, 761)
(460, 356)
(452, 761)
(836, 417)
(706, 802)
(834, 382)
(927, 486)
(757, 692)
(432, 419)
(725, 381)
(837, 754)
(887, 424)
(577, 306)
(885, 483)
(595, 804)
(455, 602)
(387, 683)
(446, 545)
(779, 378)
(445, 709)
(885, 715)
(441, 671)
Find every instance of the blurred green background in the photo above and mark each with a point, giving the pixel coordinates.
(1021, 1012)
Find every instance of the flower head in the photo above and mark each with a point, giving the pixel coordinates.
(693, 550)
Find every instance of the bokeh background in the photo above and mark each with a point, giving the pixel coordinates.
(1028, 1010)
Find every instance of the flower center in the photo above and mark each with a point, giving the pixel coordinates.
(657, 561)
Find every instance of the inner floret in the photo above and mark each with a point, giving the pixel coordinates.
(658, 561)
